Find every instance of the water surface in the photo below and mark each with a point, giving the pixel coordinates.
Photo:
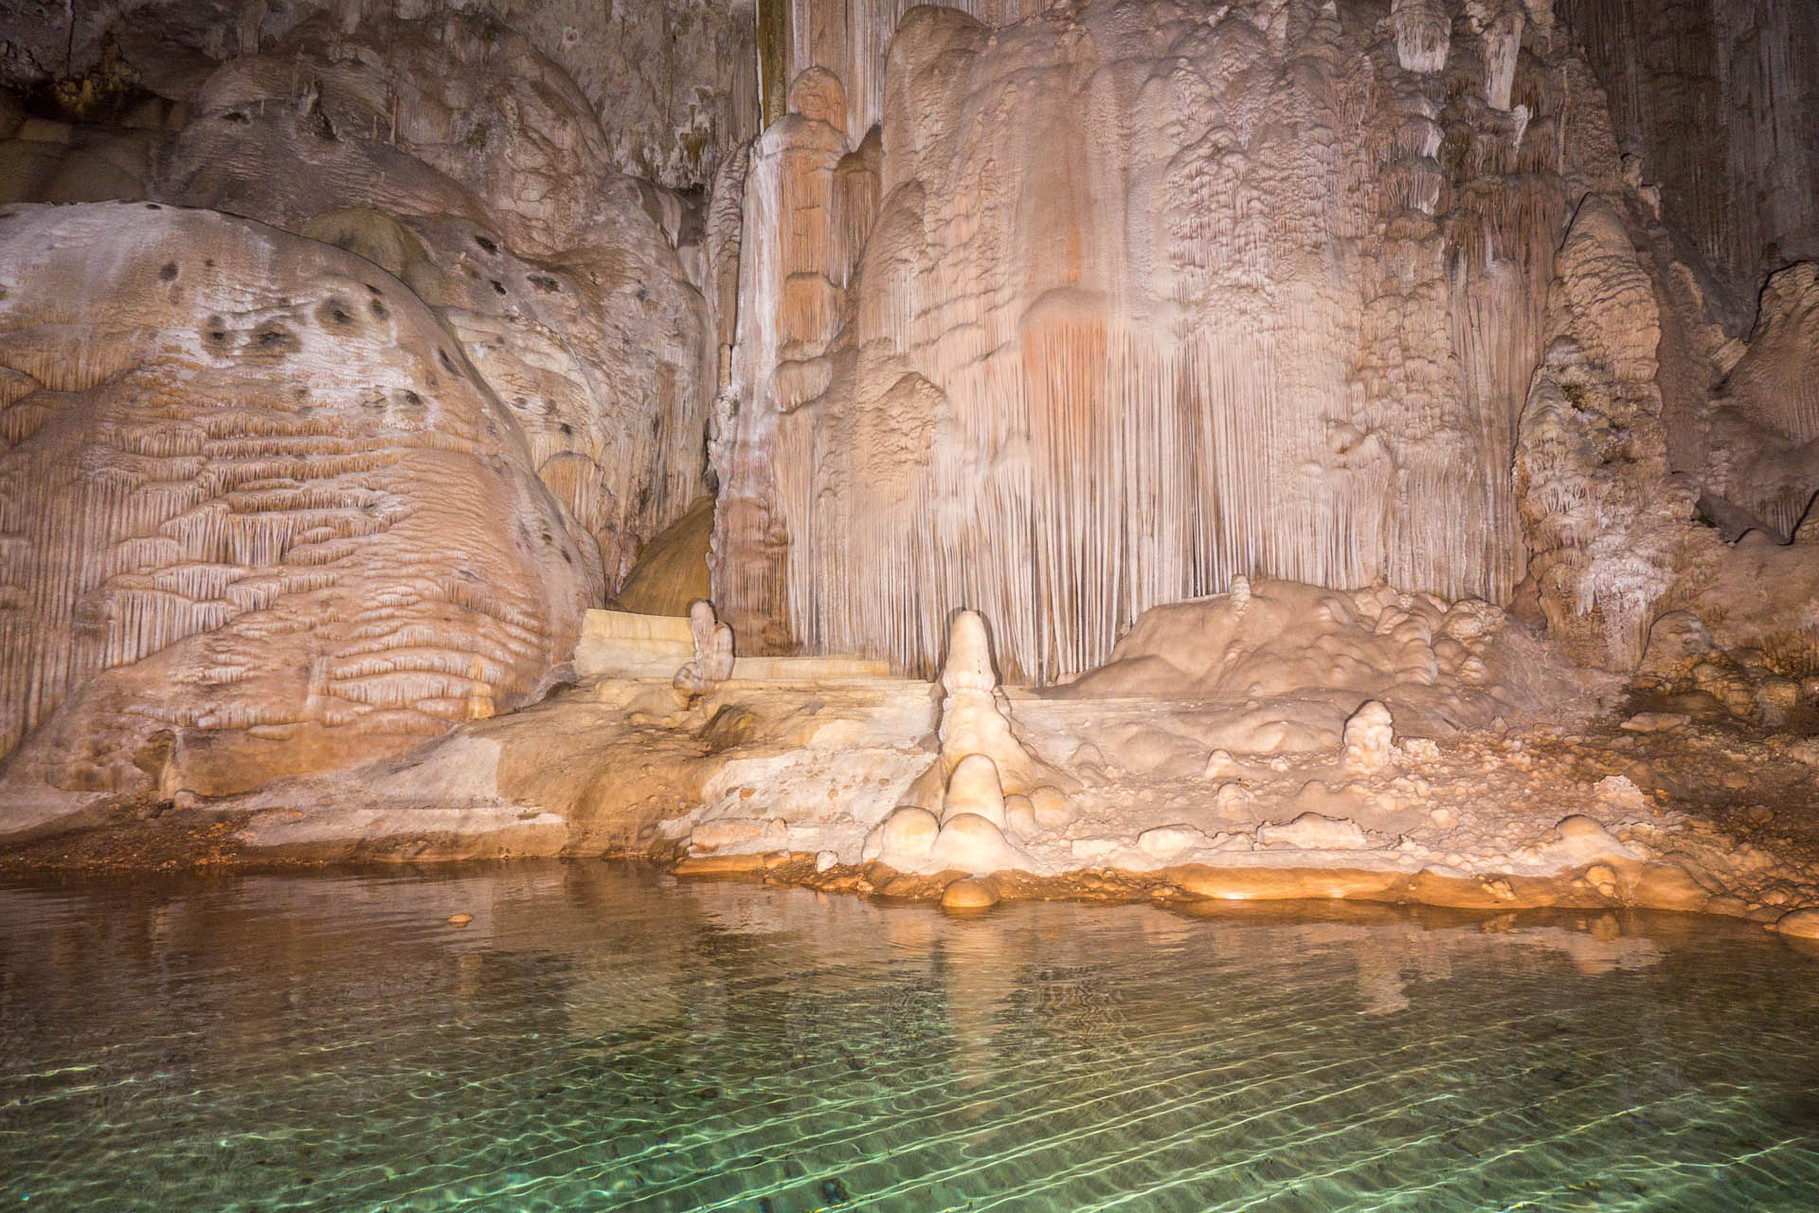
(603, 1038)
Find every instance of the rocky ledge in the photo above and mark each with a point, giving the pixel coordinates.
(1440, 787)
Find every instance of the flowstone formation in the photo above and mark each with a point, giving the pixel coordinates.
(450, 150)
(1279, 667)
(1125, 299)
(439, 180)
(1121, 300)
(259, 515)
(1605, 527)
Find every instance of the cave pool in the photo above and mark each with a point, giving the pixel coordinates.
(603, 1037)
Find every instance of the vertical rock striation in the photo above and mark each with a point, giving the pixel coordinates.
(1720, 102)
(1152, 296)
(258, 514)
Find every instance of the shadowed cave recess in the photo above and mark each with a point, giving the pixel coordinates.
(1132, 449)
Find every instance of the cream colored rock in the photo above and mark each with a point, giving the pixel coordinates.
(1579, 839)
(971, 893)
(1166, 842)
(1020, 817)
(1051, 808)
(1800, 924)
(1604, 533)
(1601, 877)
(461, 158)
(972, 843)
(713, 645)
(904, 839)
(1078, 335)
(1284, 666)
(1620, 792)
(1221, 765)
(1369, 739)
(738, 833)
(325, 537)
(969, 656)
(1313, 832)
(973, 721)
(973, 788)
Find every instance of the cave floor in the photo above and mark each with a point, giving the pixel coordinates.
(783, 783)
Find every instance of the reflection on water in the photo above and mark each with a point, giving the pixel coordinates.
(602, 1038)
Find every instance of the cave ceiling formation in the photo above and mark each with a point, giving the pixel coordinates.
(1055, 312)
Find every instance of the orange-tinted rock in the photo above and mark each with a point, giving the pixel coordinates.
(260, 515)
(971, 893)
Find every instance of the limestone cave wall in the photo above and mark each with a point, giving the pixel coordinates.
(1052, 311)
(437, 165)
(1125, 298)
(1719, 102)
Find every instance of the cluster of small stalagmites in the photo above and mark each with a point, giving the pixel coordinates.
(1688, 676)
(1276, 638)
(985, 792)
(713, 663)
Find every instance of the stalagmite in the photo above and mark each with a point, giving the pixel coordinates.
(974, 788)
(980, 760)
(1369, 734)
(972, 721)
(713, 662)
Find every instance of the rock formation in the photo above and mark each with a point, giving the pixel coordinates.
(1431, 660)
(259, 514)
(1147, 300)
(1720, 102)
(713, 661)
(471, 179)
(451, 151)
(967, 823)
(1300, 387)
(1763, 423)
(1602, 522)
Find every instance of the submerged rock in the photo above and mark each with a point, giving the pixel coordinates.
(971, 893)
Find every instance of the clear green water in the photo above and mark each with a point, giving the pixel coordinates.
(601, 1038)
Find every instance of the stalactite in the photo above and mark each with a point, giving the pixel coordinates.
(1122, 331)
(1423, 34)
